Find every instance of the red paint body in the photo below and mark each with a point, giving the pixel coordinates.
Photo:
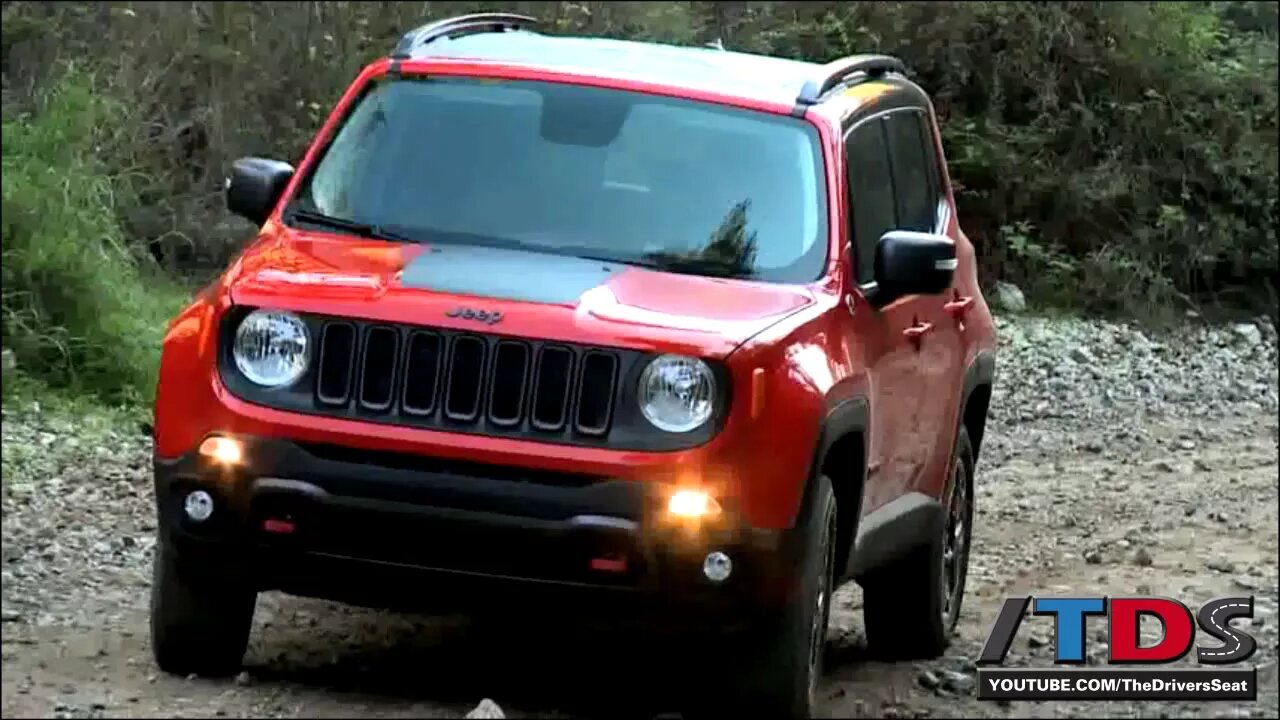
(812, 350)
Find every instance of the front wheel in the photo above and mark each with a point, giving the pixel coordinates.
(790, 649)
(199, 624)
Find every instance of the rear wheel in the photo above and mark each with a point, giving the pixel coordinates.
(911, 607)
(789, 650)
(199, 624)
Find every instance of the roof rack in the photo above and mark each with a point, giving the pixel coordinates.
(836, 72)
(462, 24)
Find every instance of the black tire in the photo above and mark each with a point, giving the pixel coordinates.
(787, 652)
(199, 624)
(910, 608)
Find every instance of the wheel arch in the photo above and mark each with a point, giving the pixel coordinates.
(841, 455)
(975, 401)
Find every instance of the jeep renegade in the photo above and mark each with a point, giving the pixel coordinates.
(681, 328)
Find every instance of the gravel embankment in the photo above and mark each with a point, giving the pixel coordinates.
(1116, 462)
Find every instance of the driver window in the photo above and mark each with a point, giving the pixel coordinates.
(871, 200)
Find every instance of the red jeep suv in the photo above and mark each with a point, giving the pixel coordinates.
(640, 326)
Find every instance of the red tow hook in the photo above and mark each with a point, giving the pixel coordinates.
(278, 526)
(612, 564)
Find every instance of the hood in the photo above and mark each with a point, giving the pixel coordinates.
(520, 293)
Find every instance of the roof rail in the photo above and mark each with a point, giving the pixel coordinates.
(837, 71)
(462, 24)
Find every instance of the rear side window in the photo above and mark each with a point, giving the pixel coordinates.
(913, 178)
(870, 194)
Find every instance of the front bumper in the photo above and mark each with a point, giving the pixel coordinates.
(414, 532)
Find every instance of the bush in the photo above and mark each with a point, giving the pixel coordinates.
(80, 311)
(1107, 156)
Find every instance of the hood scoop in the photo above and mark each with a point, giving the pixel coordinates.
(504, 274)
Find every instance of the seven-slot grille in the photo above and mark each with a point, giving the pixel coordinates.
(457, 379)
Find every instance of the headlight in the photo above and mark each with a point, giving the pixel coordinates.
(677, 394)
(271, 347)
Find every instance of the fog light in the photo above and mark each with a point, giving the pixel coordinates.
(223, 450)
(692, 504)
(198, 505)
(717, 567)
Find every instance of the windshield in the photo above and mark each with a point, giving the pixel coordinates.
(673, 184)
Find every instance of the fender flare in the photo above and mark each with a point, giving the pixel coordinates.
(849, 415)
(981, 371)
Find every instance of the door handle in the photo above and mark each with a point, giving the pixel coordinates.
(958, 307)
(915, 332)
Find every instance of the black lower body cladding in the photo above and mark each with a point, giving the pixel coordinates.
(377, 529)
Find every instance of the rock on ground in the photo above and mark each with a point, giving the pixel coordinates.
(1009, 297)
(486, 709)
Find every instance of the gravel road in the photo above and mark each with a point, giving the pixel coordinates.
(1116, 463)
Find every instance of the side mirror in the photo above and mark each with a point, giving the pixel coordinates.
(254, 186)
(913, 263)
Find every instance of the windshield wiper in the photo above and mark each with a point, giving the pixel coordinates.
(666, 262)
(376, 232)
(571, 252)
(697, 265)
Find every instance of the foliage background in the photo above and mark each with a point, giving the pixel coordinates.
(1110, 157)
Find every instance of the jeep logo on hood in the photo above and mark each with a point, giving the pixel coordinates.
(484, 316)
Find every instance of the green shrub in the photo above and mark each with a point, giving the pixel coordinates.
(80, 311)
(1106, 156)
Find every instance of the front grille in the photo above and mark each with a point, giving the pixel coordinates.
(458, 381)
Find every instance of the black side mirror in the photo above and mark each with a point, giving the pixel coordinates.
(254, 186)
(913, 263)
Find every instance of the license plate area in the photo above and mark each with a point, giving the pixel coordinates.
(447, 539)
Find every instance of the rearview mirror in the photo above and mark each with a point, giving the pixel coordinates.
(255, 185)
(586, 117)
(913, 263)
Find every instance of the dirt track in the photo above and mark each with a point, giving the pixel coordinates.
(1169, 490)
